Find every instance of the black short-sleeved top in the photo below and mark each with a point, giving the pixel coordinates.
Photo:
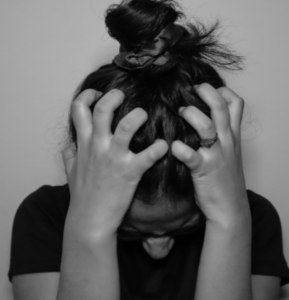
(37, 246)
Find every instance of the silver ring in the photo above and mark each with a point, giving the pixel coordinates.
(208, 143)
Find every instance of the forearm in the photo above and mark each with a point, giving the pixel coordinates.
(225, 264)
(89, 268)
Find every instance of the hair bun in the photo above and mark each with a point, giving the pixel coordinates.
(136, 22)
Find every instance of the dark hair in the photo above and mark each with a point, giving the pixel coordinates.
(161, 90)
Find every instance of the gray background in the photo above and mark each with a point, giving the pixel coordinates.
(48, 46)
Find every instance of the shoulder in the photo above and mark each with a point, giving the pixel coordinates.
(37, 233)
(44, 201)
(44, 208)
(259, 204)
(267, 242)
(265, 218)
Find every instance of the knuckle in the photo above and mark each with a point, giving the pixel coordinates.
(81, 99)
(152, 157)
(74, 108)
(220, 104)
(124, 126)
(75, 104)
(187, 155)
(101, 107)
(208, 126)
(106, 103)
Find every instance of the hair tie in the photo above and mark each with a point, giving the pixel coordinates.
(154, 53)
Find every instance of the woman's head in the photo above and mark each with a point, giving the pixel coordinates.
(161, 89)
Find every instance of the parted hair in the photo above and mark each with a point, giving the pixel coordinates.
(161, 90)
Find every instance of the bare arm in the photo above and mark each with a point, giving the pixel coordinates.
(225, 269)
(87, 271)
(217, 172)
(102, 175)
(225, 264)
(102, 178)
(35, 286)
(44, 286)
(89, 268)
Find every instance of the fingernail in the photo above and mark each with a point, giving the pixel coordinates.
(196, 86)
(117, 91)
(181, 109)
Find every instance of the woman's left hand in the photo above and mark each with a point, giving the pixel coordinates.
(217, 171)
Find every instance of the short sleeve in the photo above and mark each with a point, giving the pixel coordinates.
(37, 233)
(267, 245)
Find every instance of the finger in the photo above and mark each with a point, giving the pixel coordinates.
(236, 108)
(219, 108)
(199, 121)
(68, 156)
(104, 110)
(191, 158)
(81, 114)
(148, 157)
(126, 129)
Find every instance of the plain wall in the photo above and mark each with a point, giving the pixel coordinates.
(48, 46)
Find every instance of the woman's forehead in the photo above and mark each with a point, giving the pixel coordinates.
(162, 212)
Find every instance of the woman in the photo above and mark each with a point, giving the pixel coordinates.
(156, 205)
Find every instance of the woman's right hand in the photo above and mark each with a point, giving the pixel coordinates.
(103, 174)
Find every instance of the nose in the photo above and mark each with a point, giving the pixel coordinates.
(158, 248)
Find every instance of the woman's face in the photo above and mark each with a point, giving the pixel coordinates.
(157, 225)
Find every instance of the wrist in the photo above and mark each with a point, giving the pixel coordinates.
(227, 210)
(89, 265)
(87, 234)
(232, 225)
